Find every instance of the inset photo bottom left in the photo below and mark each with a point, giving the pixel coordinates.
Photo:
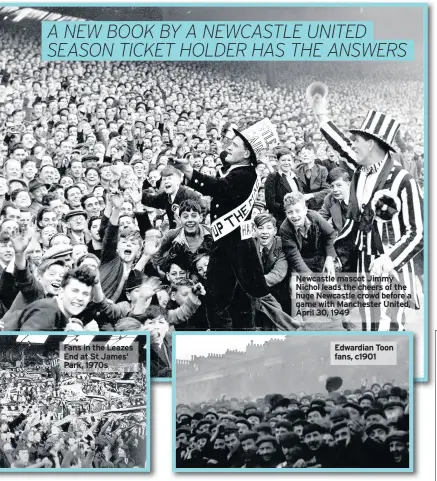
(75, 402)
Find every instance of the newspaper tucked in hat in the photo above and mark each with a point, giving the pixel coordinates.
(260, 136)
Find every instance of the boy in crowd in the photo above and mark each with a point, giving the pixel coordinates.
(273, 260)
(172, 196)
(186, 297)
(307, 238)
(190, 237)
(312, 177)
(53, 314)
(155, 320)
(335, 205)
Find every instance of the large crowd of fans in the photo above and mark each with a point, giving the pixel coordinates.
(98, 231)
(366, 427)
(52, 418)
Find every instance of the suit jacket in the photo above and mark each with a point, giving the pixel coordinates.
(331, 209)
(160, 365)
(275, 268)
(162, 201)
(226, 192)
(276, 273)
(276, 187)
(320, 231)
(319, 187)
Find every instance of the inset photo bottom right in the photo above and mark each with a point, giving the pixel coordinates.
(313, 401)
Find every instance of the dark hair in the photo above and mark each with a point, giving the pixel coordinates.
(92, 168)
(284, 151)
(338, 173)
(26, 209)
(308, 146)
(83, 274)
(15, 193)
(85, 198)
(90, 222)
(49, 197)
(152, 312)
(67, 190)
(40, 214)
(382, 145)
(190, 205)
(4, 237)
(6, 207)
(28, 159)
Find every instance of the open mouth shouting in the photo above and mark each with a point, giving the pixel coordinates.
(265, 238)
(55, 286)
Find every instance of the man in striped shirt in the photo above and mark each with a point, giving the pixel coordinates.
(384, 221)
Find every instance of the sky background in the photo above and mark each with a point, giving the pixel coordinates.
(202, 345)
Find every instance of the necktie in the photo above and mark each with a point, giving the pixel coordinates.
(264, 256)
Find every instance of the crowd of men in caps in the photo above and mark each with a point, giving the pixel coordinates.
(113, 174)
(367, 427)
(50, 419)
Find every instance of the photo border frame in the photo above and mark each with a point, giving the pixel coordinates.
(146, 469)
(423, 6)
(345, 334)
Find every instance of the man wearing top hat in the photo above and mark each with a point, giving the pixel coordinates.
(234, 265)
(383, 231)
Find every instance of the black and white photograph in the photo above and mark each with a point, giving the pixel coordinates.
(190, 196)
(338, 402)
(74, 402)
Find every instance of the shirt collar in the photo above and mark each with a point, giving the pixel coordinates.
(290, 175)
(303, 230)
(231, 168)
(371, 169)
(261, 247)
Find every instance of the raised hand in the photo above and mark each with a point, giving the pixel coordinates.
(21, 241)
(149, 288)
(183, 165)
(150, 249)
(117, 200)
(135, 195)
